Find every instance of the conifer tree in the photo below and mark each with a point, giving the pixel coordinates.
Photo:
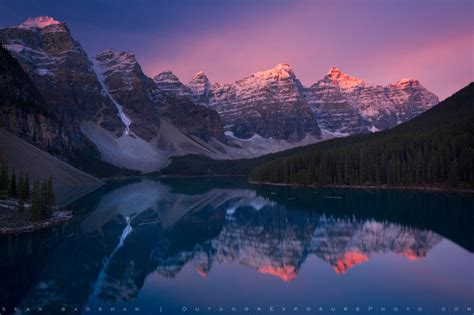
(20, 185)
(3, 175)
(35, 202)
(4, 180)
(50, 192)
(453, 177)
(26, 187)
(13, 185)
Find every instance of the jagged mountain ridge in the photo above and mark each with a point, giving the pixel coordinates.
(25, 113)
(89, 99)
(144, 102)
(340, 104)
(378, 107)
(159, 124)
(138, 122)
(61, 70)
(269, 104)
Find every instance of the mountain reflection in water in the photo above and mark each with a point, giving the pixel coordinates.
(272, 231)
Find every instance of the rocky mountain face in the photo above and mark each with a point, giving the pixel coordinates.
(144, 103)
(274, 104)
(333, 110)
(200, 88)
(110, 110)
(61, 71)
(269, 103)
(131, 90)
(168, 82)
(23, 109)
(25, 113)
(348, 105)
(67, 88)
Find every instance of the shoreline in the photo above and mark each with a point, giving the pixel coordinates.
(190, 176)
(386, 187)
(57, 218)
(145, 176)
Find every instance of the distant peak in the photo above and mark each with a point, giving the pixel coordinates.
(200, 76)
(166, 72)
(111, 51)
(344, 81)
(282, 66)
(334, 71)
(405, 81)
(167, 75)
(119, 56)
(281, 70)
(39, 22)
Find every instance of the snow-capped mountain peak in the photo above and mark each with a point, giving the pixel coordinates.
(116, 61)
(405, 82)
(200, 76)
(39, 22)
(281, 70)
(200, 87)
(168, 82)
(344, 81)
(122, 56)
(166, 77)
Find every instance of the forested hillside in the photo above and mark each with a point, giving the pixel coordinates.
(435, 148)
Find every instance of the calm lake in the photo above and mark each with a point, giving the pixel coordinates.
(181, 246)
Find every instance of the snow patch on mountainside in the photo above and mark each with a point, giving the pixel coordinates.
(117, 62)
(134, 153)
(100, 77)
(258, 146)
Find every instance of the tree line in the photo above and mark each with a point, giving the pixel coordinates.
(38, 196)
(436, 148)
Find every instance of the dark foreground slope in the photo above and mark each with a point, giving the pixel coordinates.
(69, 182)
(434, 149)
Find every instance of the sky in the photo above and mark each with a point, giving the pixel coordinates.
(377, 41)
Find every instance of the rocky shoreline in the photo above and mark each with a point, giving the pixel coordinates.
(11, 222)
(425, 188)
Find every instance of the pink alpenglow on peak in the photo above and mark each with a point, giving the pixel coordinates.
(406, 82)
(39, 22)
(343, 80)
(199, 75)
(281, 70)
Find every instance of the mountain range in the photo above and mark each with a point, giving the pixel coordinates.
(104, 110)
